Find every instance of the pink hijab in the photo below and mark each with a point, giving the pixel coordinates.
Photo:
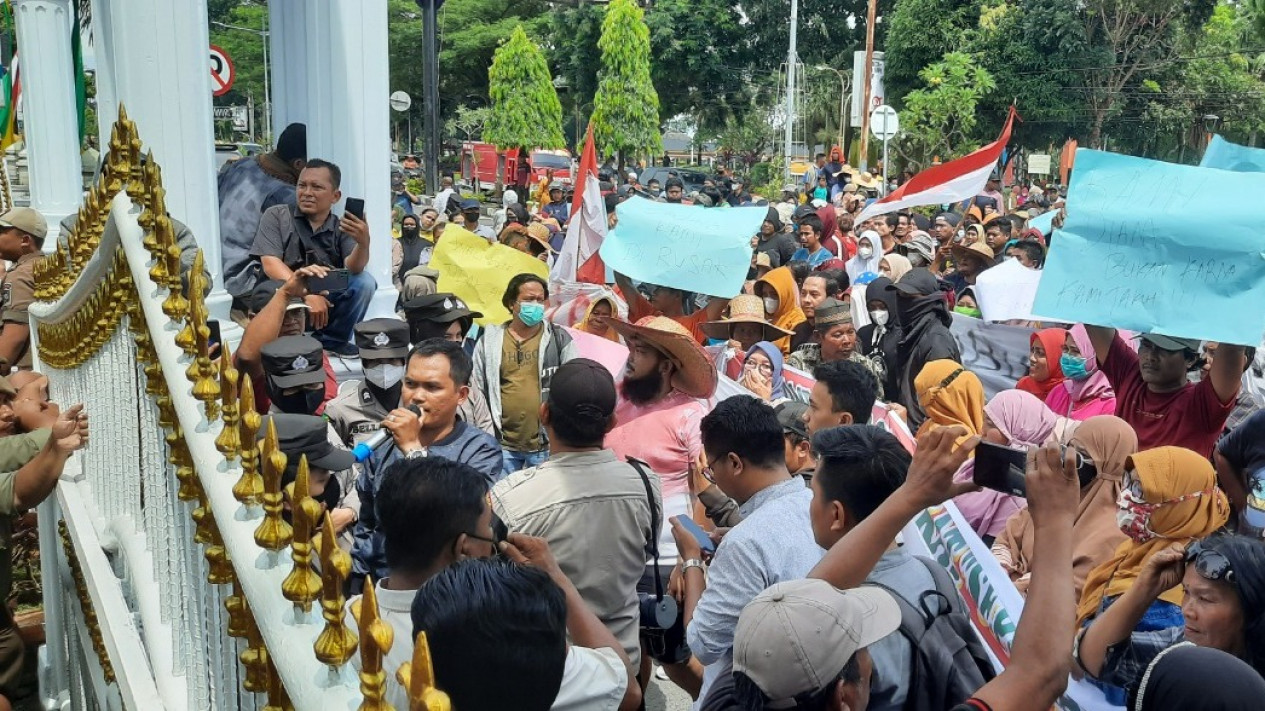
(1073, 395)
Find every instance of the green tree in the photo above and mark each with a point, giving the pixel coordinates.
(525, 110)
(699, 56)
(919, 33)
(745, 139)
(940, 119)
(626, 108)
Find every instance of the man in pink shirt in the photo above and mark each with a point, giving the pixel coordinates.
(661, 403)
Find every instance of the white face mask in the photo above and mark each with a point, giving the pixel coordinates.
(384, 376)
(770, 304)
(879, 317)
(865, 252)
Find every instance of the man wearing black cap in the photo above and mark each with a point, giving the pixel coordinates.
(436, 381)
(361, 406)
(924, 318)
(446, 316)
(470, 212)
(279, 311)
(305, 435)
(1154, 395)
(246, 189)
(586, 502)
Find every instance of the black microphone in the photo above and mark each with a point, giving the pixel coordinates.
(363, 450)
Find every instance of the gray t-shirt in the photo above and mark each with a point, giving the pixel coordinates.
(286, 234)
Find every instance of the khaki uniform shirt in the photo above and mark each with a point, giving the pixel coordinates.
(16, 296)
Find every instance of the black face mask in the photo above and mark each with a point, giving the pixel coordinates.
(410, 231)
(303, 402)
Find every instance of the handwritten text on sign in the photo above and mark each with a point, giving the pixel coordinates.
(1157, 247)
(699, 249)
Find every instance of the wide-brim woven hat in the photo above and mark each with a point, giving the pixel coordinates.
(695, 374)
(744, 308)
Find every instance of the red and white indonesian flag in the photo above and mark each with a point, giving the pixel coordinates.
(957, 180)
(578, 259)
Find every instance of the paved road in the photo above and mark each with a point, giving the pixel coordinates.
(666, 696)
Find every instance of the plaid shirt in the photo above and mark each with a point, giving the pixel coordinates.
(1127, 660)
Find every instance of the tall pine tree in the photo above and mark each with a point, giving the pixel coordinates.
(526, 113)
(626, 109)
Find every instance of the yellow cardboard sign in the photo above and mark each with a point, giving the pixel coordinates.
(477, 271)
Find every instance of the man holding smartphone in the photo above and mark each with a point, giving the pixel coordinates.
(310, 234)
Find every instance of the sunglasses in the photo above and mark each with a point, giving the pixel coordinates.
(1209, 563)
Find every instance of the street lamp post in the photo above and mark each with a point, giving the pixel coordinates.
(843, 97)
(263, 34)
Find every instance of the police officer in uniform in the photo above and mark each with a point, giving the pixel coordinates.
(361, 405)
(446, 316)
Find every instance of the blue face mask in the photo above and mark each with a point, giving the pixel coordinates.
(1073, 367)
(531, 312)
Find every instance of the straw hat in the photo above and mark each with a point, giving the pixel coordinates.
(978, 248)
(744, 308)
(695, 374)
(867, 180)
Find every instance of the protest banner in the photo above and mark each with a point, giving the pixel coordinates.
(997, 353)
(1044, 222)
(692, 248)
(611, 355)
(478, 272)
(1130, 256)
(993, 604)
(1225, 155)
(1006, 291)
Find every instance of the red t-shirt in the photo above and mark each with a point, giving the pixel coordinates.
(1191, 417)
(640, 307)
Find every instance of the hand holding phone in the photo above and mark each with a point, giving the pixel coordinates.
(356, 206)
(1001, 468)
(333, 282)
(705, 542)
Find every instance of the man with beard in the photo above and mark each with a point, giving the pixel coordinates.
(924, 318)
(658, 417)
(360, 407)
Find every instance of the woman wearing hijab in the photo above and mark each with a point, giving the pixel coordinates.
(830, 231)
(1223, 577)
(762, 372)
(1191, 677)
(781, 303)
(1044, 372)
(1105, 442)
(950, 395)
(597, 319)
(894, 266)
(1085, 392)
(869, 254)
(415, 245)
(501, 217)
(879, 339)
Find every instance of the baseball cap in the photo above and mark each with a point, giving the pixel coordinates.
(582, 387)
(307, 434)
(1171, 343)
(382, 338)
(796, 637)
(790, 415)
(263, 292)
(470, 204)
(27, 220)
(916, 282)
(293, 361)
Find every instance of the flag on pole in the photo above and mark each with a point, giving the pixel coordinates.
(81, 91)
(954, 181)
(578, 259)
(11, 90)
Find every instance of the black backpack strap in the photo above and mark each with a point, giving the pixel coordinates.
(656, 523)
(913, 625)
(944, 584)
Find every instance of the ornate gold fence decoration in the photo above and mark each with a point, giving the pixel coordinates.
(184, 495)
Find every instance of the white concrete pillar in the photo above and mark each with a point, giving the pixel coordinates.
(330, 71)
(49, 113)
(107, 101)
(162, 73)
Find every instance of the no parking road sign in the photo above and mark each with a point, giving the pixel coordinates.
(222, 72)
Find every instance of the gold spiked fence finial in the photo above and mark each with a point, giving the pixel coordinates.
(273, 533)
(418, 679)
(302, 585)
(229, 442)
(249, 488)
(335, 645)
(376, 639)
